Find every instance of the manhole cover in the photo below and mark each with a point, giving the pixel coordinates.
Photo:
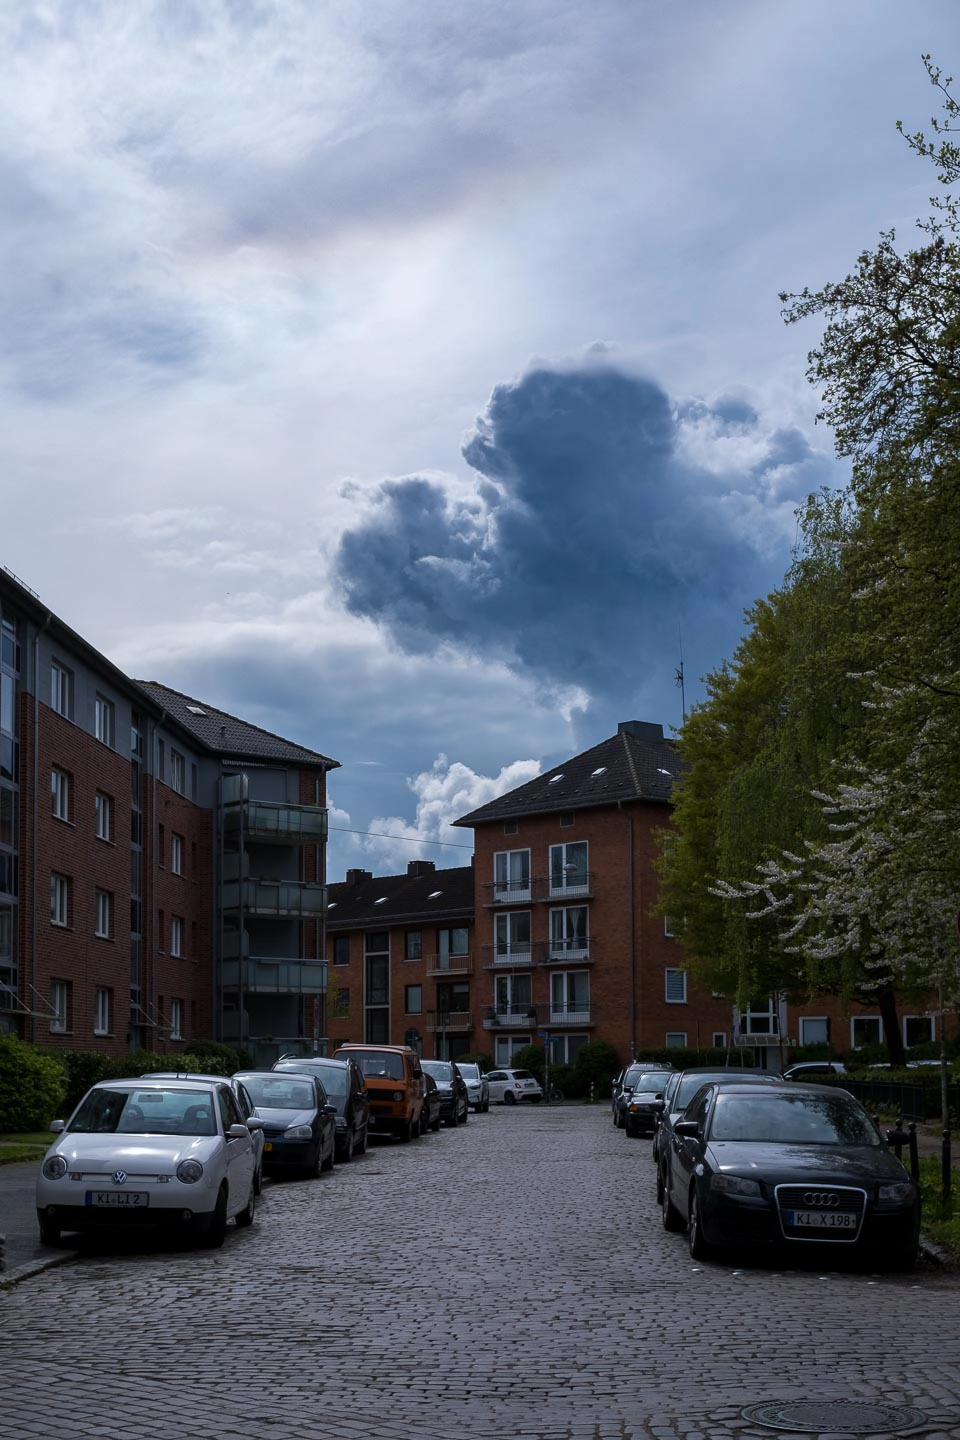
(839, 1417)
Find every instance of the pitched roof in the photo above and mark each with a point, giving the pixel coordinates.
(224, 734)
(390, 899)
(635, 764)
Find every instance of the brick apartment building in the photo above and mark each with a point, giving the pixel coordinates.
(162, 863)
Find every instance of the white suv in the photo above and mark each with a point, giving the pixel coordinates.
(478, 1088)
(509, 1086)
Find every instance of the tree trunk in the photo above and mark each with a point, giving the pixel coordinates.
(891, 1026)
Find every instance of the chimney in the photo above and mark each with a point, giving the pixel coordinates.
(420, 867)
(641, 730)
(357, 877)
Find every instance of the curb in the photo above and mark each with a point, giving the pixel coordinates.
(9, 1278)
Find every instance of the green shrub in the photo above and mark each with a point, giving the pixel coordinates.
(596, 1064)
(480, 1058)
(32, 1087)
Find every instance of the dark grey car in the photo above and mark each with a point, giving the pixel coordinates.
(346, 1089)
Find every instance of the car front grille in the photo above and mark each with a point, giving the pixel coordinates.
(824, 1213)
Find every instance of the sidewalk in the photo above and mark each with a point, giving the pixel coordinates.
(18, 1222)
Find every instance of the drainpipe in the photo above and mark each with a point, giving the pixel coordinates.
(633, 938)
(35, 819)
(154, 878)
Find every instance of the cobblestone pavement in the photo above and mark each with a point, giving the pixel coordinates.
(509, 1279)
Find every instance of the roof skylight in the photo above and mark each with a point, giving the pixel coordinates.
(434, 894)
(600, 770)
(196, 710)
(381, 901)
(664, 772)
(554, 778)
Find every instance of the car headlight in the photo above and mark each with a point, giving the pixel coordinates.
(54, 1167)
(734, 1185)
(896, 1193)
(189, 1171)
(298, 1132)
(398, 1096)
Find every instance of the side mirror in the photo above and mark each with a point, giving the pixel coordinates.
(688, 1129)
(238, 1132)
(57, 1126)
(329, 1109)
(254, 1123)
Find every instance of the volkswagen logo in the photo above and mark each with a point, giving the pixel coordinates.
(119, 1177)
(823, 1198)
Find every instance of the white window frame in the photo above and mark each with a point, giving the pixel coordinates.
(406, 999)
(861, 1020)
(178, 771)
(507, 949)
(511, 875)
(176, 936)
(719, 1040)
(104, 720)
(60, 793)
(504, 1000)
(506, 1046)
(931, 1025)
(564, 1047)
(176, 1019)
(675, 1040)
(176, 853)
(563, 932)
(103, 909)
(569, 1012)
(61, 689)
(59, 900)
(103, 815)
(60, 1006)
(565, 877)
(102, 1009)
(806, 1020)
(670, 978)
(669, 931)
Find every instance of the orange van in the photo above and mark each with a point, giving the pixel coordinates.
(395, 1086)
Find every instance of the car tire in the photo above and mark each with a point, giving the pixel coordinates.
(258, 1180)
(700, 1249)
(630, 1132)
(659, 1187)
(217, 1224)
(406, 1133)
(331, 1159)
(360, 1147)
(50, 1232)
(669, 1214)
(346, 1154)
(485, 1107)
(245, 1216)
(509, 1098)
(435, 1125)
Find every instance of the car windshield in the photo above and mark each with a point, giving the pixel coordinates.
(691, 1082)
(650, 1080)
(154, 1111)
(380, 1063)
(332, 1077)
(281, 1092)
(792, 1120)
(439, 1069)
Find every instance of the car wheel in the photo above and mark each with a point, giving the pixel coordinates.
(258, 1180)
(245, 1216)
(329, 1162)
(699, 1248)
(406, 1132)
(346, 1154)
(630, 1131)
(485, 1107)
(466, 1115)
(50, 1232)
(217, 1226)
(669, 1214)
(509, 1098)
(659, 1187)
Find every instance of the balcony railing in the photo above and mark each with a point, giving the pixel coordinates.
(540, 888)
(449, 964)
(274, 977)
(495, 958)
(570, 1015)
(444, 1021)
(268, 820)
(515, 1017)
(274, 897)
(566, 952)
(576, 886)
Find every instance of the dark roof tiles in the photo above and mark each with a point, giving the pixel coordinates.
(405, 898)
(224, 734)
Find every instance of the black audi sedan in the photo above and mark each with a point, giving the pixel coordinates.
(299, 1124)
(789, 1166)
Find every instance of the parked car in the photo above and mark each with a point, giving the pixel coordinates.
(244, 1100)
(787, 1165)
(346, 1090)
(625, 1082)
(478, 1087)
(394, 1086)
(299, 1123)
(680, 1090)
(171, 1154)
(642, 1102)
(430, 1118)
(508, 1087)
(810, 1069)
(452, 1089)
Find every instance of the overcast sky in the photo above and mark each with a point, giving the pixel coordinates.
(409, 378)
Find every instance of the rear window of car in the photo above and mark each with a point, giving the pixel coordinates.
(333, 1078)
(524, 1075)
(793, 1120)
(281, 1092)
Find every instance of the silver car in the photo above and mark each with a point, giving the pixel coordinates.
(478, 1087)
(171, 1154)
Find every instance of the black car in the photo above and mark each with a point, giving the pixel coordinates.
(680, 1089)
(346, 1089)
(299, 1123)
(641, 1103)
(430, 1116)
(454, 1096)
(787, 1165)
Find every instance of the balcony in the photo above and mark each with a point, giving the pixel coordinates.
(516, 958)
(295, 899)
(507, 892)
(565, 952)
(267, 821)
(569, 1015)
(510, 1017)
(449, 965)
(575, 885)
(445, 1021)
(274, 977)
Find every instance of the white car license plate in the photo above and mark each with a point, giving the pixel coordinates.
(118, 1199)
(822, 1219)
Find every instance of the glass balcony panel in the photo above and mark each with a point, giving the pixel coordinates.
(274, 897)
(268, 820)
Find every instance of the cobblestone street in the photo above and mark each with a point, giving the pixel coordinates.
(508, 1279)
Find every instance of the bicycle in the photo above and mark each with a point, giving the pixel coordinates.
(555, 1095)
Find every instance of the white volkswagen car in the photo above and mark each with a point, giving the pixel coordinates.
(171, 1154)
(507, 1087)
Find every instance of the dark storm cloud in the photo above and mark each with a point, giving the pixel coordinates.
(588, 541)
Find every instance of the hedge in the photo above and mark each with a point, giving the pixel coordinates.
(33, 1085)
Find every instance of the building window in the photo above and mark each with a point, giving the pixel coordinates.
(101, 1014)
(341, 949)
(567, 819)
(104, 720)
(377, 987)
(177, 770)
(512, 933)
(814, 1030)
(568, 868)
(176, 935)
(918, 1029)
(61, 689)
(719, 1040)
(570, 997)
(564, 1048)
(104, 910)
(670, 927)
(866, 1030)
(60, 793)
(161, 847)
(103, 806)
(568, 932)
(176, 853)
(176, 1019)
(511, 875)
(453, 943)
(413, 946)
(413, 999)
(161, 932)
(510, 827)
(59, 899)
(60, 1006)
(760, 1018)
(676, 1039)
(675, 987)
(513, 997)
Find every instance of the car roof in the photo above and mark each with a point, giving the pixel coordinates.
(143, 1082)
(293, 1060)
(400, 1049)
(187, 1075)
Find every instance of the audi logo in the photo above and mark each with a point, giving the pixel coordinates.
(822, 1198)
